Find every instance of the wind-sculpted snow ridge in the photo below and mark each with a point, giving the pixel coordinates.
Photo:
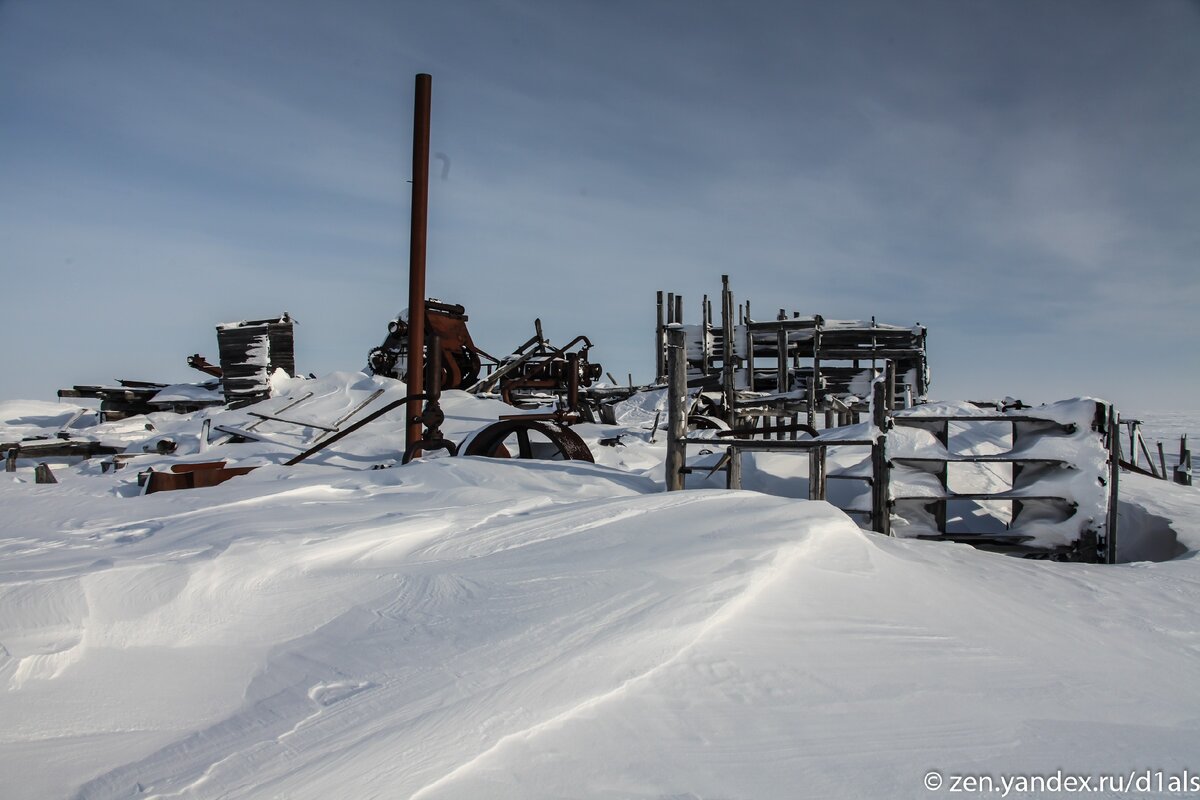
(467, 628)
(385, 648)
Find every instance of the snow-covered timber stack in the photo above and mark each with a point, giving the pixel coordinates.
(250, 353)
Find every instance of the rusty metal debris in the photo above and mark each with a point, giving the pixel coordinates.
(531, 438)
(199, 362)
(461, 359)
(189, 476)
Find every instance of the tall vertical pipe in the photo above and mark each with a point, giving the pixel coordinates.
(416, 260)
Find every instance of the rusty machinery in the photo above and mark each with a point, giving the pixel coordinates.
(538, 369)
(461, 360)
(438, 352)
(432, 350)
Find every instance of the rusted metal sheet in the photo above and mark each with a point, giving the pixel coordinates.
(192, 476)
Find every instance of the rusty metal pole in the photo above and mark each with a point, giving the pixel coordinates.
(416, 260)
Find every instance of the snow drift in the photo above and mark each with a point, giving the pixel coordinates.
(485, 628)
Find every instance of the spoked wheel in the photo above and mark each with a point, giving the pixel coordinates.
(532, 438)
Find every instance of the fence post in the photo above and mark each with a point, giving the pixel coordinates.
(660, 344)
(816, 473)
(1114, 478)
(733, 478)
(727, 378)
(881, 515)
(1183, 470)
(676, 407)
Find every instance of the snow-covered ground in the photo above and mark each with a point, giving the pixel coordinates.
(478, 628)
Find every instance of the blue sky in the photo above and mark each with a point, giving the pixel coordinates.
(1021, 176)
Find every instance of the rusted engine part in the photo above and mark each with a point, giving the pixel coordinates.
(538, 369)
(189, 476)
(461, 359)
(431, 417)
(530, 438)
(250, 352)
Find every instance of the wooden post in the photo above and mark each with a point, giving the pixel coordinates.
(781, 367)
(42, 474)
(749, 351)
(676, 408)
(881, 518)
(1146, 452)
(1162, 460)
(816, 473)
(727, 352)
(660, 344)
(1183, 470)
(889, 380)
(1114, 473)
(733, 477)
(814, 382)
(879, 411)
(1133, 453)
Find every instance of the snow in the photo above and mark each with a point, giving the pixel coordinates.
(189, 393)
(29, 418)
(466, 627)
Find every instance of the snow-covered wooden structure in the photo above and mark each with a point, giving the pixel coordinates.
(250, 353)
(791, 364)
(1026, 480)
(1039, 481)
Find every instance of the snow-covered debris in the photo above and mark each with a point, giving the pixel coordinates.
(472, 628)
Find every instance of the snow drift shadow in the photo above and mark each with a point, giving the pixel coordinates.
(1142, 536)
